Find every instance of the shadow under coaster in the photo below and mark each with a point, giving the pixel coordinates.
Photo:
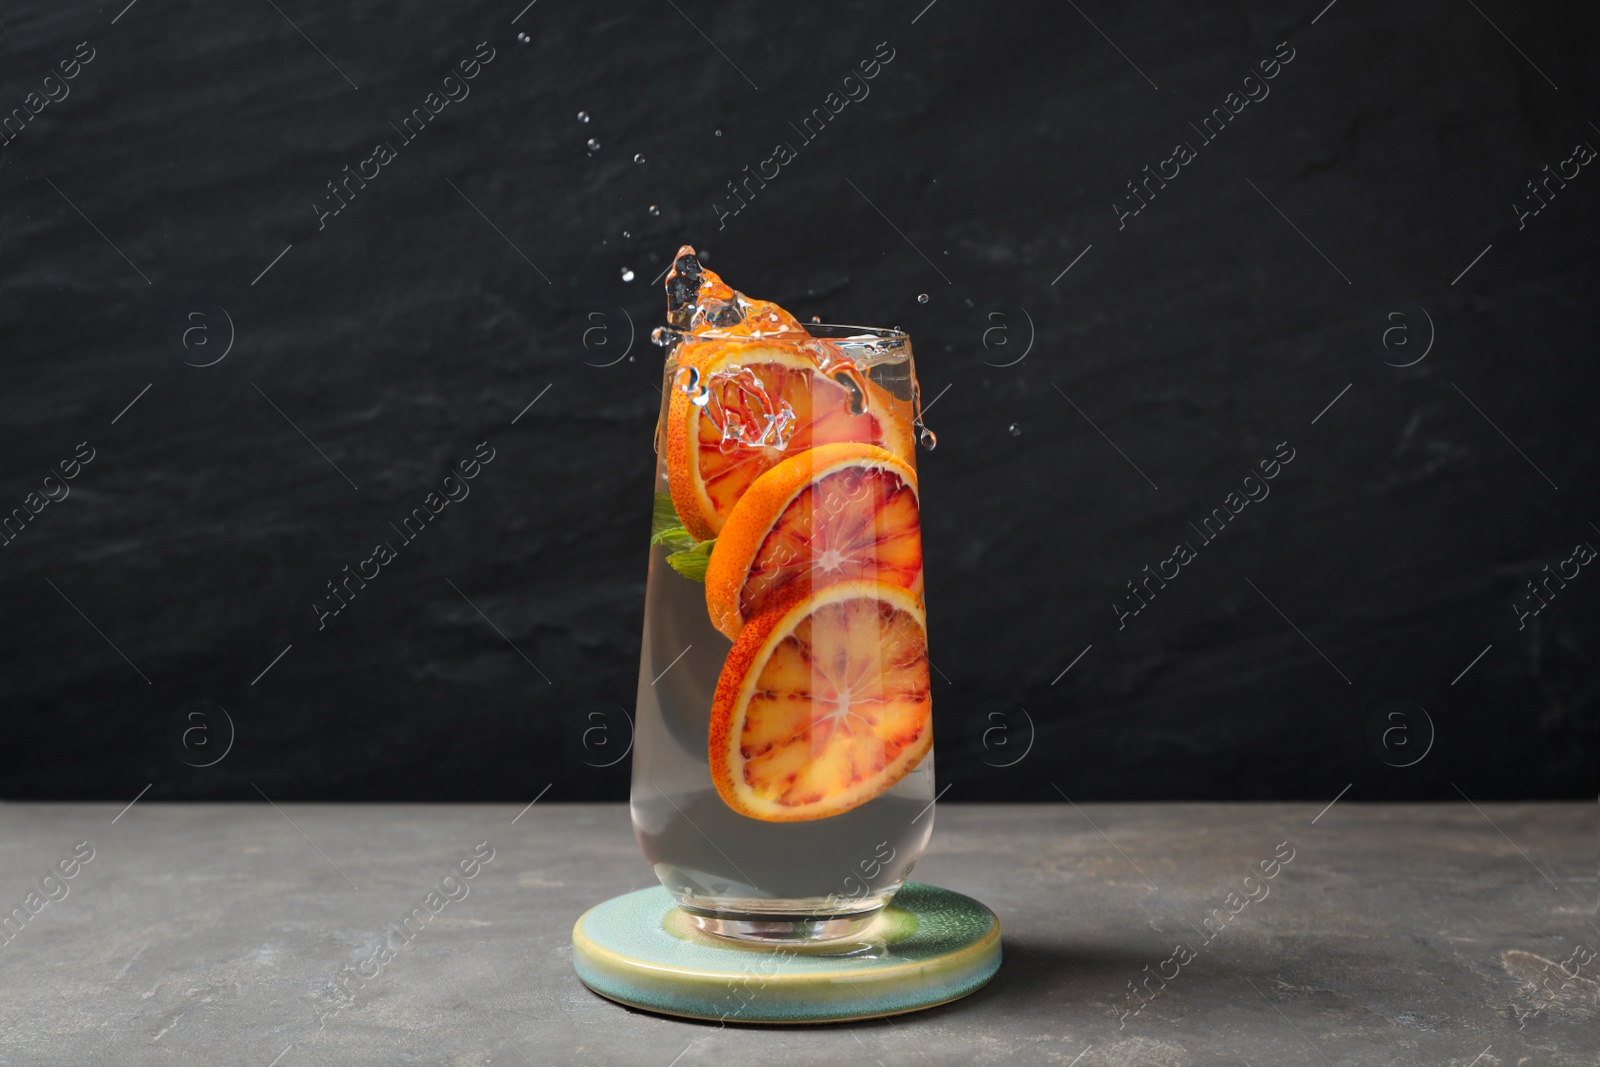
(930, 946)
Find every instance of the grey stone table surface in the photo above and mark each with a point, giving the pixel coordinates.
(235, 934)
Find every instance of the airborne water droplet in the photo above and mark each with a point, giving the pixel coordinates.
(1016, 431)
(524, 38)
(719, 131)
(654, 210)
(627, 275)
(922, 298)
(594, 145)
(583, 116)
(625, 233)
(637, 158)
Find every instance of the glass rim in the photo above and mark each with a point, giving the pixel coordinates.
(891, 335)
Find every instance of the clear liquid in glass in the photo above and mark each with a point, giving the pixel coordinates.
(739, 876)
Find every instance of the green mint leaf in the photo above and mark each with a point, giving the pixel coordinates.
(663, 518)
(692, 562)
(686, 556)
(665, 527)
(675, 537)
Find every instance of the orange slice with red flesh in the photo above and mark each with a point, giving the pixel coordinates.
(824, 702)
(772, 391)
(845, 511)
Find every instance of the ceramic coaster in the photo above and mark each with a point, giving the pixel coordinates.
(930, 946)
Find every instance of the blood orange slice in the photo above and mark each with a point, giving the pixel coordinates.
(763, 404)
(845, 511)
(823, 703)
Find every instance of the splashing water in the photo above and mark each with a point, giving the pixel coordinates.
(724, 394)
(925, 437)
(699, 301)
(689, 383)
(736, 402)
(773, 423)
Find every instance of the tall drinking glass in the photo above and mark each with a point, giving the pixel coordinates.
(783, 763)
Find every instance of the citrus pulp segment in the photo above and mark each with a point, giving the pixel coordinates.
(845, 511)
(763, 403)
(823, 703)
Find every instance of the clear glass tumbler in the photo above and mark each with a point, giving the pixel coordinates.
(785, 791)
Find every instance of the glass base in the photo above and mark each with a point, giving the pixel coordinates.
(780, 929)
(796, 921)
(929, 947)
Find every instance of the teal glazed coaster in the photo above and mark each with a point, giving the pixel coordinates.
(930, 946)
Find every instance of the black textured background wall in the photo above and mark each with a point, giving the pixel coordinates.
(1347, 266)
